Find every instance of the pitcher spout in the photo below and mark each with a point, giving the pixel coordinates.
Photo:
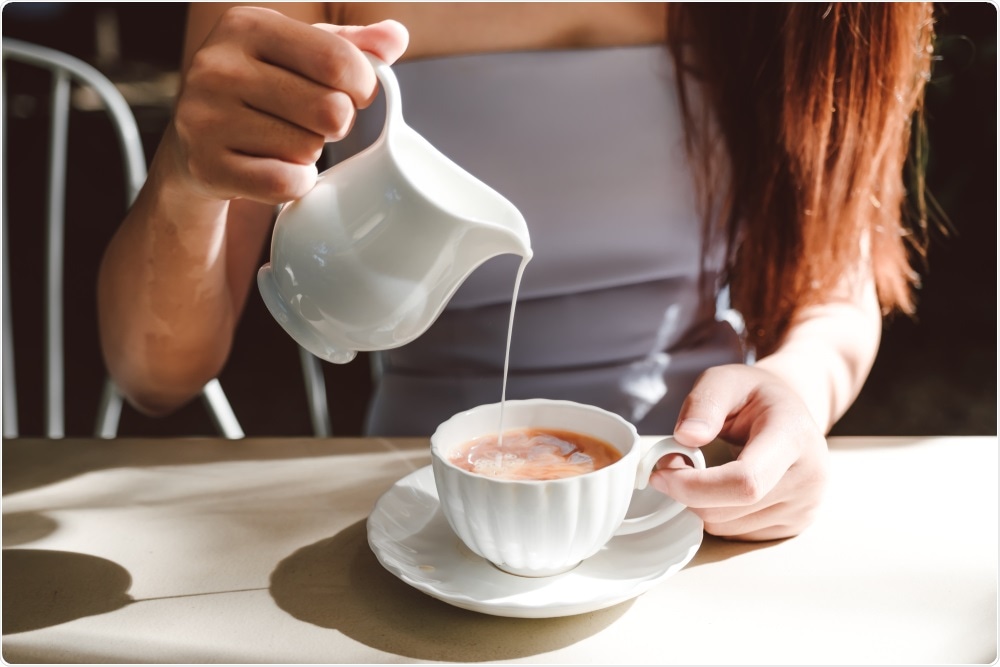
(510, 235)
(459, 197)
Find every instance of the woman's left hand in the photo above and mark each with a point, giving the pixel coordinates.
(775, 485)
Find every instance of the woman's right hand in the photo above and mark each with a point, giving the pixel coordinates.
(261, 97)
(261, 93)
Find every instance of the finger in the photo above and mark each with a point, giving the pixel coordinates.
(774, 522)
(673, 461)
(266, 180)
(210, 124)
(746, 481)
(268, 137)
(387, 39)
(721, 486)
(766, 534)
(318, 107)
(317, 54)
(728, 514)
(716, 394)
(324, 111)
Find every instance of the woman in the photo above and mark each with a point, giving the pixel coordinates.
(671, 162)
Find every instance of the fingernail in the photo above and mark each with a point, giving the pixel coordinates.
(697, 427)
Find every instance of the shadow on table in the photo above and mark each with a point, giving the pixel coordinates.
(26, 527)
(42, 588)
(715, 549)
(338, 583)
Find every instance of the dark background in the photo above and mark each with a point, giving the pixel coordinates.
(935, 373)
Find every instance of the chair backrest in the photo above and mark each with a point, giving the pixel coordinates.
(66, 70)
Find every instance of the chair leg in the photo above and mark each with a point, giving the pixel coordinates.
(10, 428)
(54, 366)
(220, 410)
(376, 365)
(319, 412)
(109, 411)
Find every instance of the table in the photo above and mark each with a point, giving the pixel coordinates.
(206, 550)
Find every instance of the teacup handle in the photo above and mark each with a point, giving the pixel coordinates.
(670, 507)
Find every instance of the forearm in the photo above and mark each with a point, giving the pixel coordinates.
(828, 354)
(166, 312)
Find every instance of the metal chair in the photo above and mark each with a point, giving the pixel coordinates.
(65, 70)
(319, 412)
(312, 374)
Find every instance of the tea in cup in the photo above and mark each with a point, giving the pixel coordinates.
(553, 490)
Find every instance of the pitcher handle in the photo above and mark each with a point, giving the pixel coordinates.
(390, 87)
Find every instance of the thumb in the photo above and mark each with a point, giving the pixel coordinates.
(703, 415)
(386, 39)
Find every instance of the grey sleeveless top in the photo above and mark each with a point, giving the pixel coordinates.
(587, 144)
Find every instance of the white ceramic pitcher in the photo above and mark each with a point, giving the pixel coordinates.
(369, 258)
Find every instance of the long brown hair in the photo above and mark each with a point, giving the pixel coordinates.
(817, 107)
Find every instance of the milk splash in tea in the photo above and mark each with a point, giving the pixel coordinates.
(534, 454)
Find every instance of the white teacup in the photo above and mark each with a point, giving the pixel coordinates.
(546, 527)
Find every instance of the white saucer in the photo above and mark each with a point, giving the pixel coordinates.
(412, 539)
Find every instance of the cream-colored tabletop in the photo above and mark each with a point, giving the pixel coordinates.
(202, 550)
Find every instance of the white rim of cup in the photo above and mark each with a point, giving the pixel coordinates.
(438, 454)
